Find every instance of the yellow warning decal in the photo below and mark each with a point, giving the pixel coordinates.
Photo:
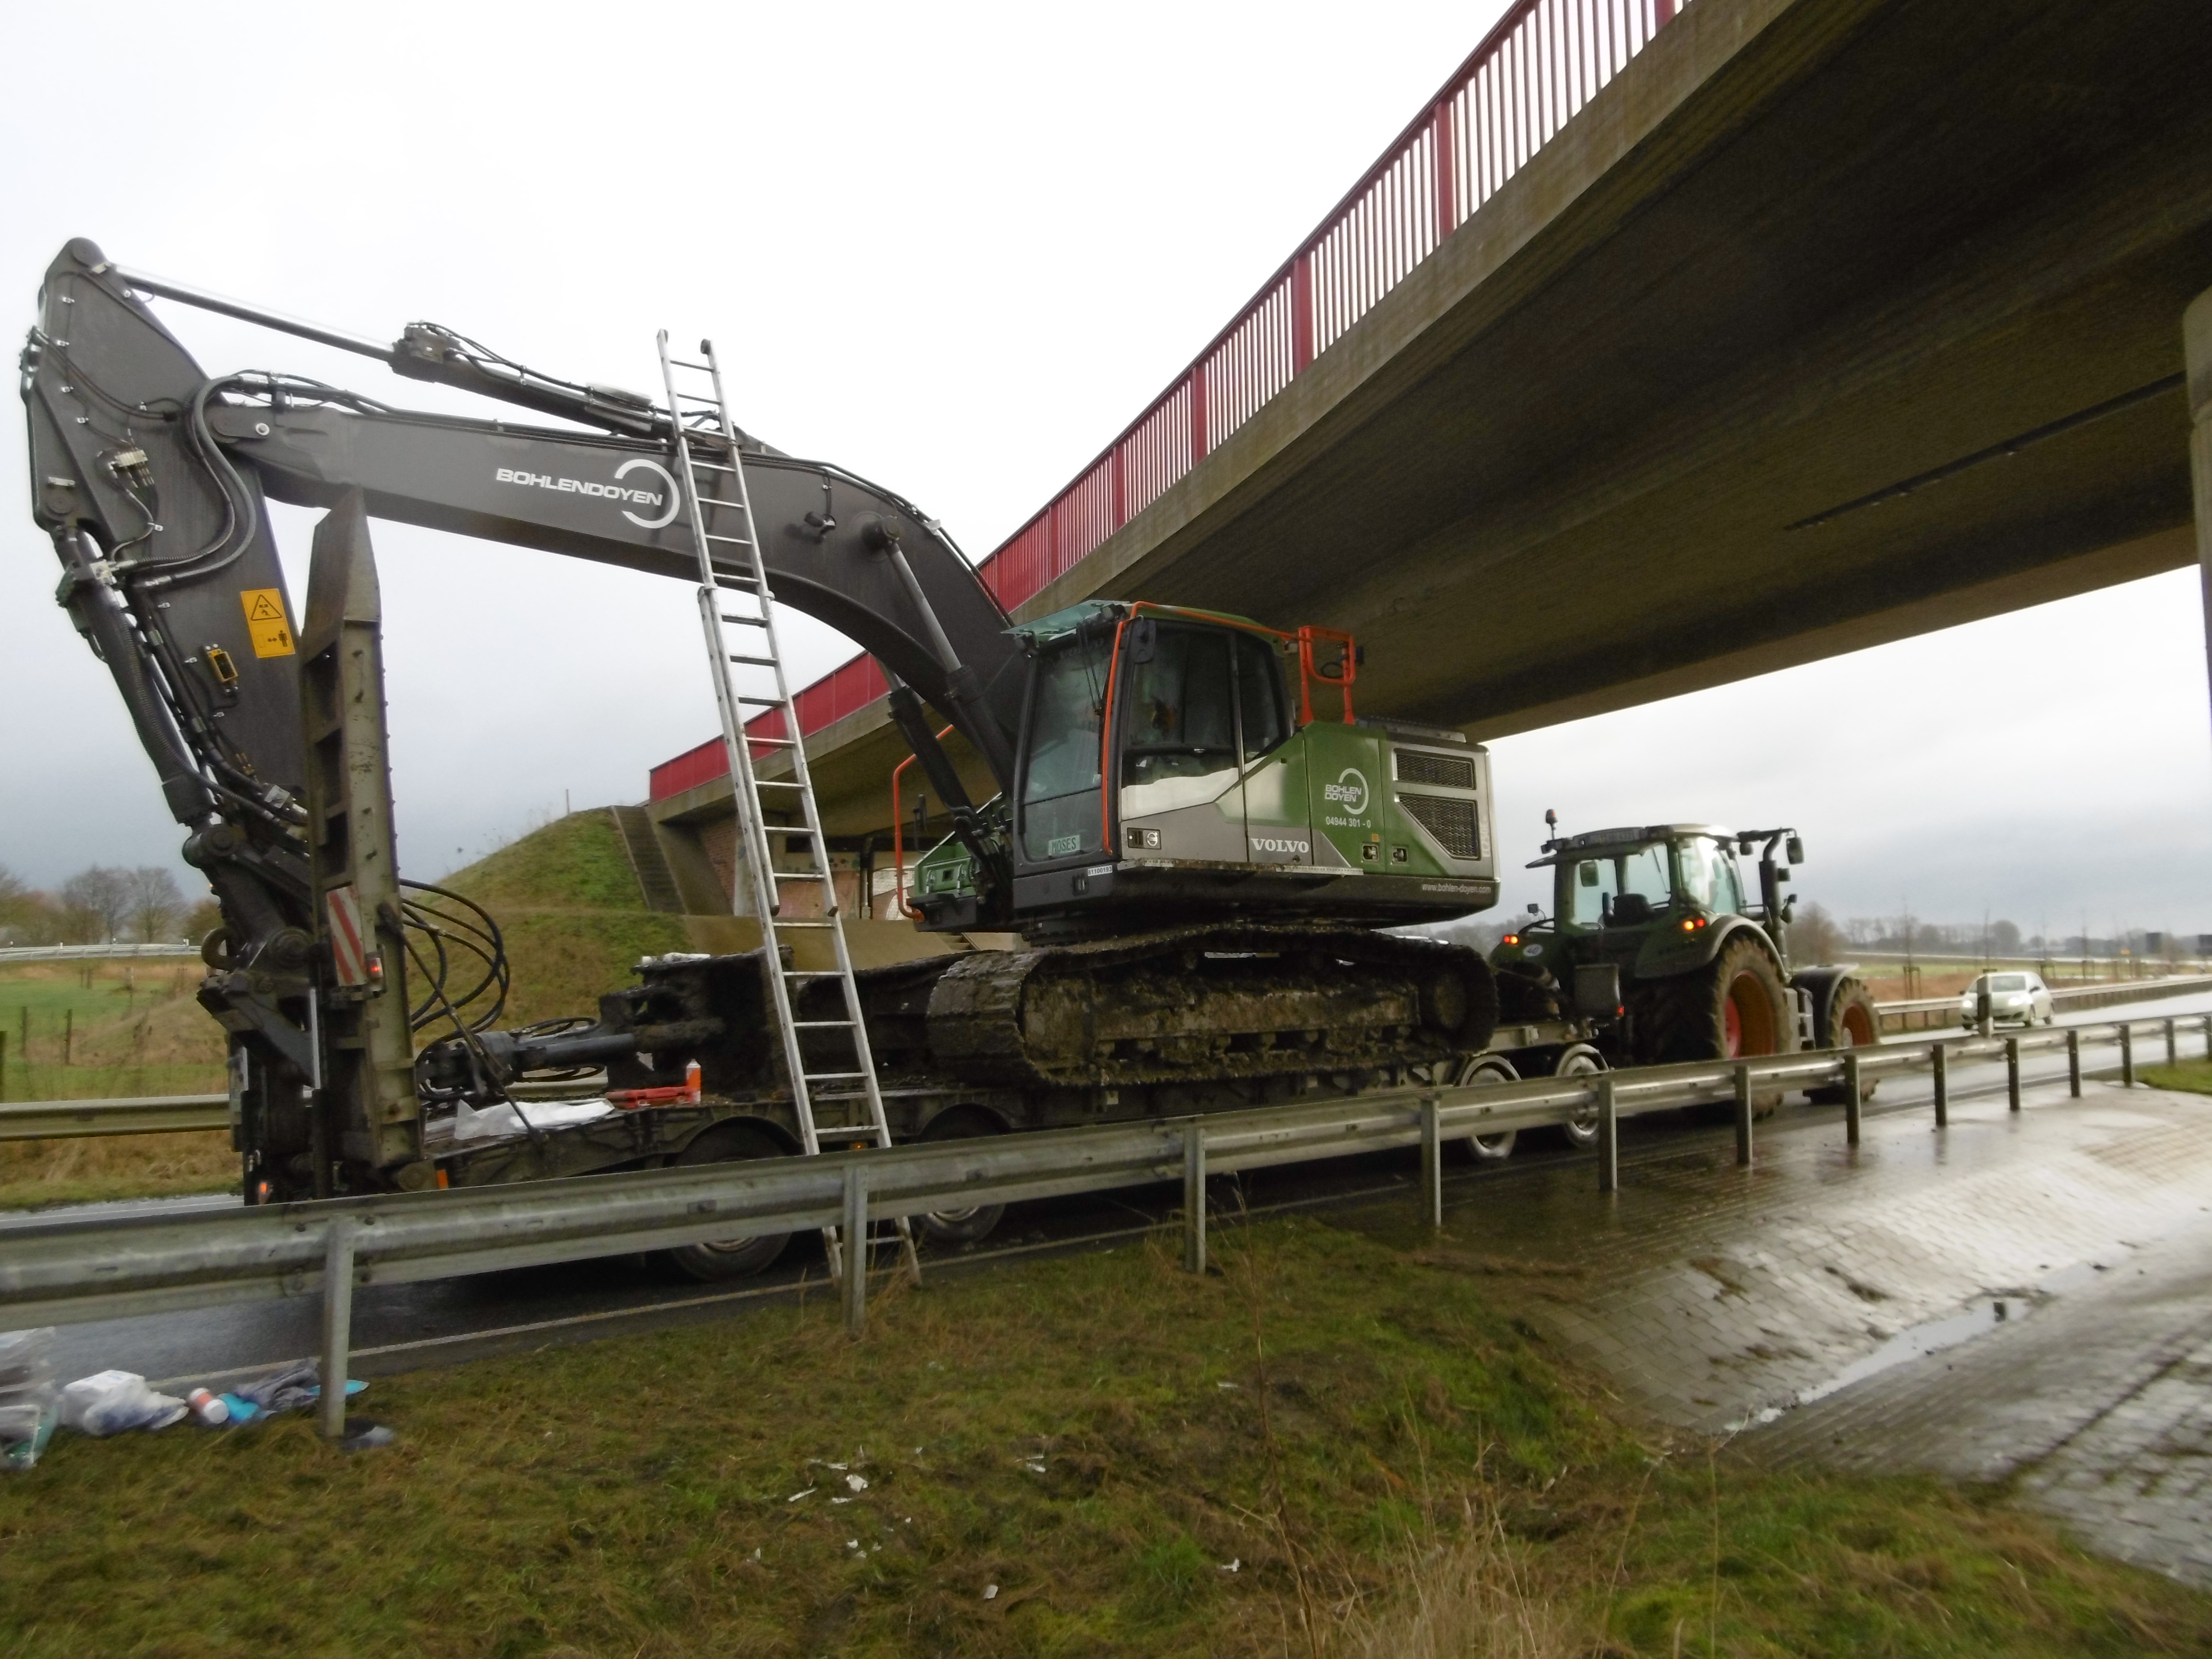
(266, 624)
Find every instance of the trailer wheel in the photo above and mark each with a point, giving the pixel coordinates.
(1480, 1073)
(1580, 1060)
(1850, 1021)
(978, 1221)
(739, 1258)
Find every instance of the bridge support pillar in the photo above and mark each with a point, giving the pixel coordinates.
(2196, 341)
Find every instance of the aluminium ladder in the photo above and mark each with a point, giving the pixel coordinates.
(750, 680)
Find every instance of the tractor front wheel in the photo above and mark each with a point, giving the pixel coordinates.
(1851, 1022)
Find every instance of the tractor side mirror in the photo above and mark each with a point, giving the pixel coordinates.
(1586, 873)
(1144, 638)
(1795, 848)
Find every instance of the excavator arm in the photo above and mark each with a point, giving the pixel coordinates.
(152, 477)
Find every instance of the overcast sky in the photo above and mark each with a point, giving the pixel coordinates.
(954, 249)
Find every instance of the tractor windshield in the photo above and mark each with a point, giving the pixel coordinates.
(1710, 878)
(1593, 885)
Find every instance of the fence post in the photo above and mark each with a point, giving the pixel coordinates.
(1852, 1096)
(1608, 1136)
(2127, 1054)
(338, 1326)
(1939, 1057)
(1432, 1162)
(855, 1253)
(2073, 1061)
(1193, 1199)
(1742, 1114)
(2172, 1046)
(2012, 1073)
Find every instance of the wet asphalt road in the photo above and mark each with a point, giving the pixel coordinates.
(398, 1327)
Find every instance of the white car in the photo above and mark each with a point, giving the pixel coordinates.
(2019, 996)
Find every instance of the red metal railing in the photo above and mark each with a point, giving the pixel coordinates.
(1532, 73)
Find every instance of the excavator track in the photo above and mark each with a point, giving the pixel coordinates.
(1187, 1005)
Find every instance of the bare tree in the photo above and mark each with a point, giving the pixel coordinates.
(156, 902)
(96, 902)
(1815, 937)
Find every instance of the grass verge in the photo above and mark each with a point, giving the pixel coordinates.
(1333, 1446)
(2190, 1076)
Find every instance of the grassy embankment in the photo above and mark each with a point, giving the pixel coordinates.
(1334, 1447)
(564, 896)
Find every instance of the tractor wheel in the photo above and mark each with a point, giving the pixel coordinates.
(977, 1221)
(1737, 1007)
(1851, 1022)
(1579, 1059)
(1485, 1149)
(739, 1258)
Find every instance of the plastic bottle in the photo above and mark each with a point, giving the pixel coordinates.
(207, 1408)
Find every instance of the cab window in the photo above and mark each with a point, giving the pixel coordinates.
(1060, 809)
(1259, 696)
(1644, 871)
(1178, 721)
(1591, 884)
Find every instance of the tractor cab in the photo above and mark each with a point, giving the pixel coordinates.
(1679, 872)
(1191, 766)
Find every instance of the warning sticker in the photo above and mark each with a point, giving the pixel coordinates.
(266, 624)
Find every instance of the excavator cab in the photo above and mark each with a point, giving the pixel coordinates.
(1187, 765)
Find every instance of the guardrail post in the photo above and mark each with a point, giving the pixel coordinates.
(2073, 1061)
(1193, 1199)
(1608, 1136)
(1939, 1059)
(1742, 1115)
(1851, 1102)
(1433, 1162)
(2127, 1055)
(338, 1326)
(855, 1253)
(2012, 1073)
(2172, 1046)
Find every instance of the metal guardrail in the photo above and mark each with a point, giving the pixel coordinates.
(90, 952)
(72, 1271)
(56, 1120)
(1934, 1013)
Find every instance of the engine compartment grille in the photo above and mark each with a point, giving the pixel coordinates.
(1451, 822)
(1445, 771)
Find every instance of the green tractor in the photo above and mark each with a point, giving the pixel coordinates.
(1654, 941)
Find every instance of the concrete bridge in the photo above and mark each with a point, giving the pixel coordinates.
(1667, 347)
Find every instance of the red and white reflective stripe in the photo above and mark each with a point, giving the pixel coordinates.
(348, 953)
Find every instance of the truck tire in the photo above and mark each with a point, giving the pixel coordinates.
(1850, 1021)
(1734, 1008)
(742, 1258)
(978, 1221)
(1579, 1059)
(1485, 1149)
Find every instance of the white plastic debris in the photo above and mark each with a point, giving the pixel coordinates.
(29, 1406)
(1035, 1466)
(796, 1496)
(1231, 1566)
(111, 1402)
(857, 1482)
(990, 1592)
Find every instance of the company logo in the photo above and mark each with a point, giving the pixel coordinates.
(662, 500)
(1349, 791)
(1271, 844)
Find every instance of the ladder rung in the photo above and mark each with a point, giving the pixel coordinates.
(832, 1077)
(749, 622)
(772, 742)
(716, 500)
(712, 466)
(755, 662)
(680, 362)
(802, 924)
(762, 702)
(821, 1024)
(775, 783)
(812, 973)
(738, 541)
(797, 875)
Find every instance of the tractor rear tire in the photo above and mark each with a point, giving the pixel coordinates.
(742, 1258)
(1851, 1022)
(1735, 1007)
